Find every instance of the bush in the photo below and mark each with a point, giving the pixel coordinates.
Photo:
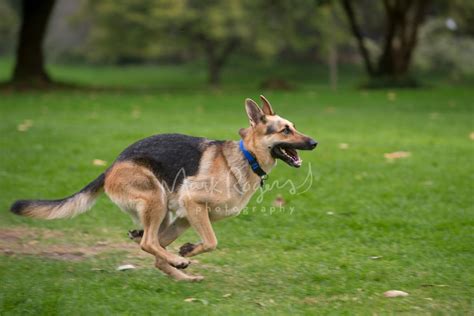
(442, 49)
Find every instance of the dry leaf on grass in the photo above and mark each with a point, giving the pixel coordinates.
(310, 300)
(24, 126)
(343, 146)
(227, 295)
(395, 293)
(192, 299)
(99, 162)
(391, 96)
(279, 201)
(126, 267)
(471, 135)
(397, 155)
(136, 113)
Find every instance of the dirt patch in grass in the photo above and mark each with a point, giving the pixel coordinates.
(28, 241)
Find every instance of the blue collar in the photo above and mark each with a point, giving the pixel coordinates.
(253, 163)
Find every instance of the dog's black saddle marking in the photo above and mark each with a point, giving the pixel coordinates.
(171, 157)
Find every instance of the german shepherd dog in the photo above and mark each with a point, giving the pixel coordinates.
(171, 182)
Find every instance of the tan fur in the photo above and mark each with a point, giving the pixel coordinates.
(136, 190)
(221, 188)
(71, 207)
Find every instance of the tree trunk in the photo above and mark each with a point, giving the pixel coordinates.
(29, 67)
(216, 58)
(403, 18)
(332, 56)
(214, 72)
(356, 31)
(332, 61)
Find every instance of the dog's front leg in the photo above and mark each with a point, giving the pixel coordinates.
(198, 217)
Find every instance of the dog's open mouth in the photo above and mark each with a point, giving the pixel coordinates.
(288, 154)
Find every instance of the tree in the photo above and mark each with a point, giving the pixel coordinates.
(8, 20)
(402, 20)
(29, 65)
(216, 28)
(151, 29)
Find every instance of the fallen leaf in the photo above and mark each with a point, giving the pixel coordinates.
(24, 126)
(310, 300)
(330, 109)
(136, 112)
(279, 201)
(126, 267)
(391, 96)
(397, 155)
(227, 295)
(192, 299)
(99, 162)
(471, 136)
(343, 146)
(395, 293)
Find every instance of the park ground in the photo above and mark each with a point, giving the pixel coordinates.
(367, 223)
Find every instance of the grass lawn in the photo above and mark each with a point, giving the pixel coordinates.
(365, 224)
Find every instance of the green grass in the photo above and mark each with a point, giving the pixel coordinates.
(415, 213)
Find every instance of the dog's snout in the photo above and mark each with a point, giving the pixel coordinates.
(312, 144)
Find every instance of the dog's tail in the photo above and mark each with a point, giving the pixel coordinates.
(68, 207)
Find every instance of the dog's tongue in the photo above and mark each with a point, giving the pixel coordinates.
(294, 157)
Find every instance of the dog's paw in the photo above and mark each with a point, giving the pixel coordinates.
(186, 249)
(134, 234)
(180, 263)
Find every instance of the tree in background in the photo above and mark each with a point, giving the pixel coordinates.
(214, 28)
(8, 21)
(208, 29)
(149, 29)
(446, 42)
(402, 20)
(29, 64)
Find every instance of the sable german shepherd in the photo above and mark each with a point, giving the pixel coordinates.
(170, 182)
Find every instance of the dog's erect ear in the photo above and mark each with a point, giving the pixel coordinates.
(243, 132)
(267, 107)
(254, 113)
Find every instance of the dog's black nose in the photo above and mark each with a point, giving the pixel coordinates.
(312, 143)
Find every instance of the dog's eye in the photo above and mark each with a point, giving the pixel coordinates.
(286, 130)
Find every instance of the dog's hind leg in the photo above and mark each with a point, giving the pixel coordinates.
(135, 188)
(198, 217)
(167, 233)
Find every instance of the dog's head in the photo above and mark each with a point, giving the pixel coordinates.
(273, 136)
